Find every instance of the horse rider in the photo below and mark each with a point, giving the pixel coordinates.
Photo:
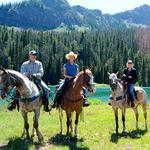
(33, 69)
(70, 71)
(130, 77)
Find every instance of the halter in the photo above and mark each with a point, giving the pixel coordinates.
(117, 98)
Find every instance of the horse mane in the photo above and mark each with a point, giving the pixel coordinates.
(88, 71)
(17, 75)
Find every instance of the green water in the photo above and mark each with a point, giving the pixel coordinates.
(101, 94)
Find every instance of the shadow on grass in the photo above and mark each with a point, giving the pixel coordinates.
(69, 141)
(19, 144)
(134, 134)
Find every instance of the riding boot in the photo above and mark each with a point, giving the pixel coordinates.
(12, 105)
(46, 102)
(132, 101)
(56, 100)
(132, 104)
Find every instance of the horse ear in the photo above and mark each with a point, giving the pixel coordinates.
(83, 69)
(117, 73)
(108, 73)
(3, 69)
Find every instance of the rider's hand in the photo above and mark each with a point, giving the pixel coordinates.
(130, 77)
(29, 75)
(70, 77)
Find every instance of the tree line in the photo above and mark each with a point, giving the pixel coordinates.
(102, 51)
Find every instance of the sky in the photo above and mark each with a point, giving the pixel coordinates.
(106, 6)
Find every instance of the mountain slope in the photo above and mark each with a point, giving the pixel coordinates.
(44, 14)
(139, 15)
(50, 14)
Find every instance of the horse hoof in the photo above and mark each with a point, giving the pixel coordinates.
(40, 139)
(124, 133)
(32, 136)
(75, 137)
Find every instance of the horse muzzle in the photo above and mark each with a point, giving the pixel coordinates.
(3, 95)
(91, 89)
(113, 87)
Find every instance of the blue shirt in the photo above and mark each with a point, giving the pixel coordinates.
(71, 70)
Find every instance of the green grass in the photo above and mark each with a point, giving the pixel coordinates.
(95, 133)
(101, 85)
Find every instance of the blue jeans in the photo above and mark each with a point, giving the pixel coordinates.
(131, 91)
(46, 88)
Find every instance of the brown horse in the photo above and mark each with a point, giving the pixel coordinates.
(72, 99)
(119, 100)
(30, 100)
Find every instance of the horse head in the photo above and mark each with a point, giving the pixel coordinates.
(6, 81)
(113, 80)
(88, 80)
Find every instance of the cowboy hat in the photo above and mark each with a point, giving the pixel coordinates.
(71, 54)
(130, 62)
(33, 52)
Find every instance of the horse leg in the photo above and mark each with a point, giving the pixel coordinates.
(116, 118)
(36, 124)
(26, 124)
(68, 114)
(33, 129)
(144, 106)
(136, 116)
(60, 118)
(76, 124)
(123, 120)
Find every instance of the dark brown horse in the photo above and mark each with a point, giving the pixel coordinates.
(72, 99)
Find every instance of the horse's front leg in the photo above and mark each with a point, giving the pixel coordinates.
(68, 123)
(76, 124)
(36, 124)
(136, 116)
(123, 119)
(60, 119)
(116, 118)
(26, 124)
(144, 106)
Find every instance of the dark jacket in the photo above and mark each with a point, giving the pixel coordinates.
(132, 73)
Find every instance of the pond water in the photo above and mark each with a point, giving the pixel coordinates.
(101, 94)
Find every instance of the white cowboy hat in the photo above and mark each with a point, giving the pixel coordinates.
(71, 54)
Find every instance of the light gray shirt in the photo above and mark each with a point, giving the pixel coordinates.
(35, 68)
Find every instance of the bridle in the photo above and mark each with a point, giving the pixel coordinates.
(114, 83)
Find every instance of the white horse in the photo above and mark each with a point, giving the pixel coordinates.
(118, 100)
(30, 98)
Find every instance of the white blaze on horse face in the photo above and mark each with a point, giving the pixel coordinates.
(113, 78)
(91, 80)
(0, 79)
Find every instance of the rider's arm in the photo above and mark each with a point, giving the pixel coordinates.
(135, 78)
(40, 71)
(24, 70)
